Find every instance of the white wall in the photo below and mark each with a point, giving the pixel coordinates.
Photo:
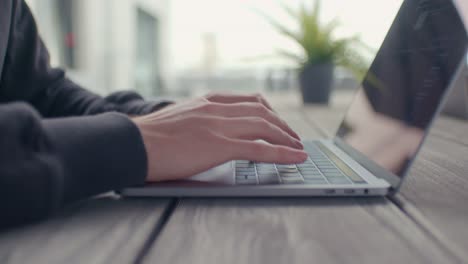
(243, 33)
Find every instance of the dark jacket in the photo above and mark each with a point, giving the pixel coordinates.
(58, 142)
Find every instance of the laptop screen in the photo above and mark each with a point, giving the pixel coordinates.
(402, 91)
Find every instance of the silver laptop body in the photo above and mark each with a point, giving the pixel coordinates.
(382, 132)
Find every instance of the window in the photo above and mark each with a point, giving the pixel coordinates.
(146, 70)
(66, 14)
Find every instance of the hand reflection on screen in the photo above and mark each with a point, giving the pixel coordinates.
(387, 141)
(406, 81)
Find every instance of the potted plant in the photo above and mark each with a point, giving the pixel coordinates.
(322, 52)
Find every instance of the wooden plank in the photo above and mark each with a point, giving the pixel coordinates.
(314, 230)
(306, 230)
(435, 193)
(102, 230)
(451, 129)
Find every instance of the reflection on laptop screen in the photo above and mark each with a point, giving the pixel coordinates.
(401, 93)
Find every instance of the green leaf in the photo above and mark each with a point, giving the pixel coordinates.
(318, 42)
(292, 56)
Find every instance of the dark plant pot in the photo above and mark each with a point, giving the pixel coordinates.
(316, 83)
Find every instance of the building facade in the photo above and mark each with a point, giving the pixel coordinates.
(107, 45)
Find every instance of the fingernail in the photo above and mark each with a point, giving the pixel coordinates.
(299, 157)
(298, 144)
(303, 156)
(297, 135)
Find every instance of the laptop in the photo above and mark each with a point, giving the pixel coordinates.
(382, 131)
(457, 100)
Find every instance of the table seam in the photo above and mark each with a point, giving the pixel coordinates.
(415, 216)
(158, 228)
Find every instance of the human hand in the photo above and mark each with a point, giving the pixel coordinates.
(190, 137)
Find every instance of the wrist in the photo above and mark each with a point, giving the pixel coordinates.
(142, 129)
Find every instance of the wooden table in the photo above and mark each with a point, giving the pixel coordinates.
(427, 222)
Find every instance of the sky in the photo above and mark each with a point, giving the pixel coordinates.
(243, 35)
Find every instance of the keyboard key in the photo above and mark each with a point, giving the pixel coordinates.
(263, 172)
(314, 154)
(318, 169)
(308, 169)
(320, 160)
(304, 166)
(244, 178)
(271, 178)
(245, 170)
(325, 165)
(246, 173)
(282, 171)
(263, 165)
(292, 166)
(290, 174)
(329, 170)
(322, 163)
(289, 167)
(266, 170)
(287, 170)
(333, 174)
(244, 165)
(317, 172)
(312, 175)
(342, 166)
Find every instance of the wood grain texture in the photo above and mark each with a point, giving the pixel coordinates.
(451, 129)
(314, 230)
(309, 230)
(435, 194)
(101, 230)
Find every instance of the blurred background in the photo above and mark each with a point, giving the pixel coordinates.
(178, 48)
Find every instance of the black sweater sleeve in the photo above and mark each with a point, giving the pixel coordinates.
(28, 76)
(45, 164)
(77, 150)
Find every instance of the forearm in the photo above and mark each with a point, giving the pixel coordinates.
(45, 164)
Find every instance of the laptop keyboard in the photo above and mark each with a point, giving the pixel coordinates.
(318, 169)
